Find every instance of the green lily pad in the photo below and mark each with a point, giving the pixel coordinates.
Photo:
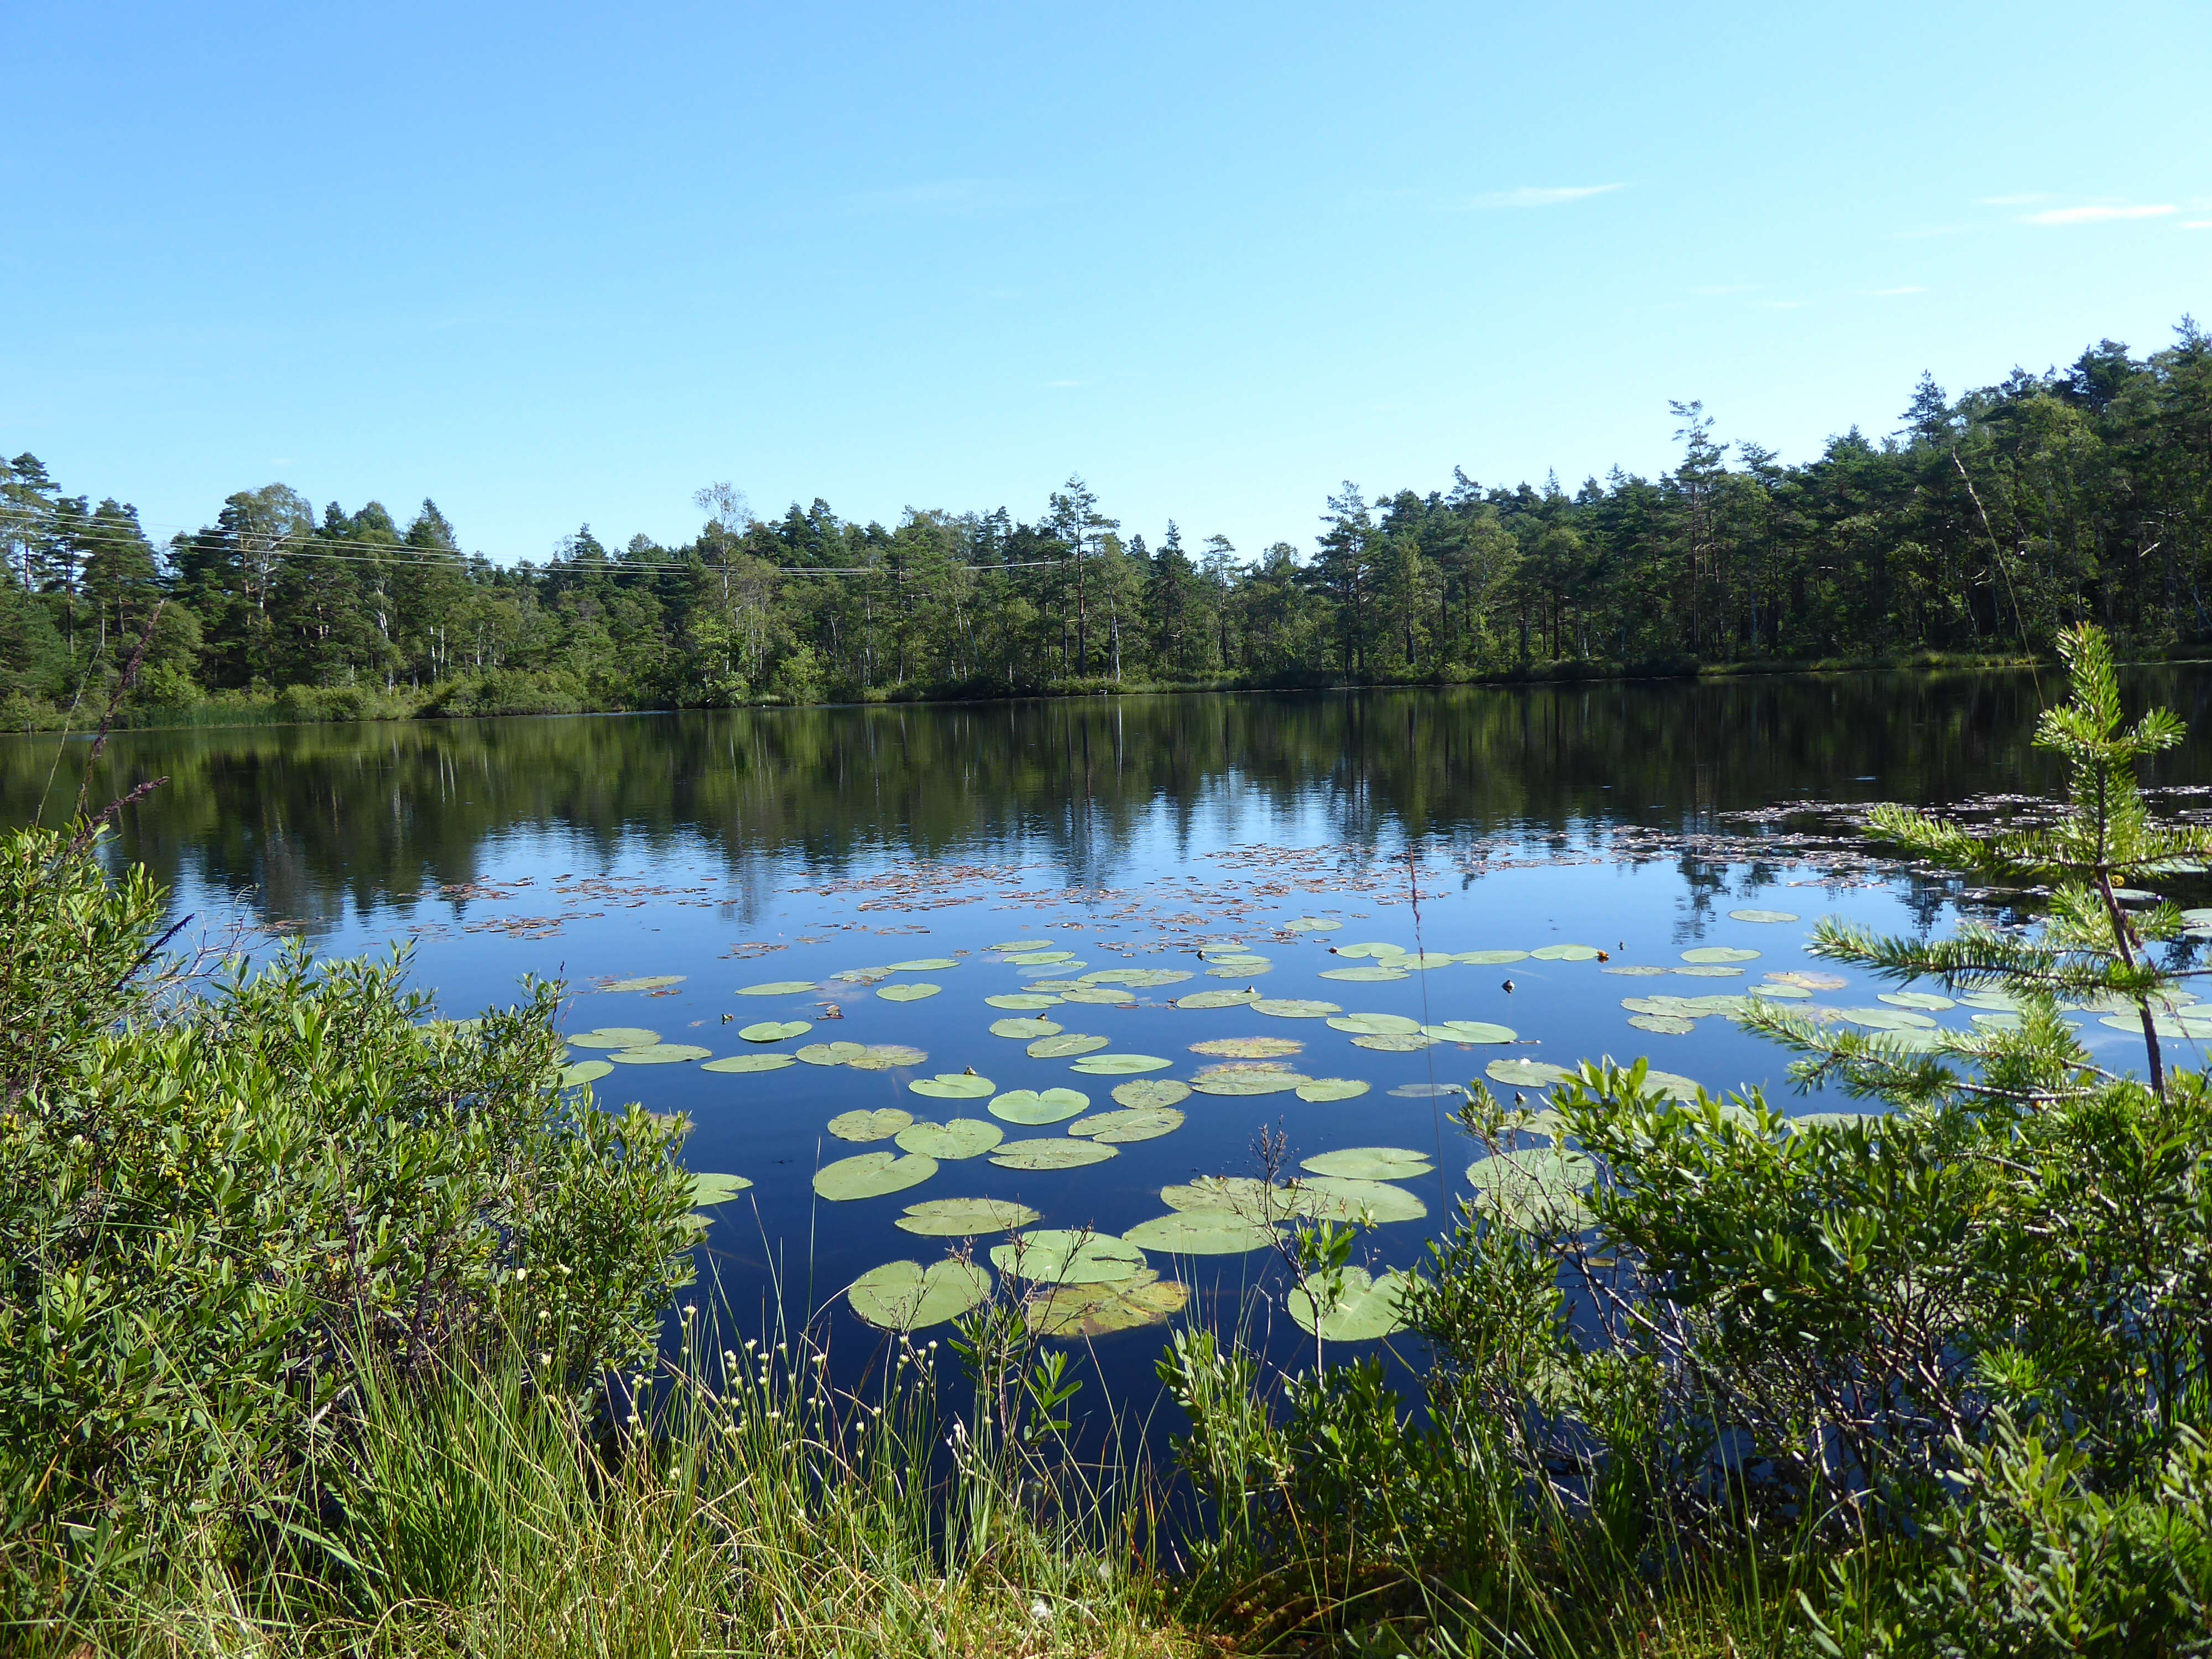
(1024, 1000)
(905, 1296)
(963, 1137)
(1396, 1042)
(1138, 979)
(1055, 1256)
(914, 991)
(584, 1070)
(1927, 1000)
(1248, 1048)
(1255, 1081)
(1706, 954)
(1241, 971)
(1427, 1090)
(878, 1125)
(1672, 1085)
(1029, 1106)
(1631, 969)
(1470, 1030)
(1419, 961)
(1295, 1008)
(1090, 1311)
(1150, 1092)
(1374, 1025)
(1708, 971)
(1348, 1198)
(659, 1054)
(1781, 993)
(1492, 958)
(2002, 1002)
(872, 1175)
(1202, 1232)
(886, 1057)
(1566, 953)
(965, 1218)
(1240, 1195)
(1369, 950)
(749, 1063)
(1525, 1074)
(777, 988)
(1066, 1046)
(1023, 1030)
(1664, 1024)
(1887, 1019)
(1129, 1125)
(1233, 958)
(1323, 1089)
(1022, 945)
(775, 1030)
(1539, 1186)
(925, 965)
(1120, 1065)
(1371, 975)
(862, 975)
(615, 1036)
(1058, 1153)
(952, 1086)
(1217, 1000)
(1058, 989)
(646, 982)
(1353, 1308)
(709, 1190)
(1371, 1163)
(1763, 915)
(1311, 925)
(1039, 958)
(1102, 996)
(831, 1054)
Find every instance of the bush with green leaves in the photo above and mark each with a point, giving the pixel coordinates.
(215, 1206)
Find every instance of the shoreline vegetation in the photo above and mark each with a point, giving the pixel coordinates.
(1983, 527)
(330, 1329)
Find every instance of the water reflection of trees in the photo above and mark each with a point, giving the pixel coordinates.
(317, 818)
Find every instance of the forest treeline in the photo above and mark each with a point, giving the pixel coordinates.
(1985, 524)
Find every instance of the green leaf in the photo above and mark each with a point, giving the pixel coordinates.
(952, 1086)
(1151, 1092)
(1066, 1046)
(925, 965)
(1492, 958)
(904, 1296)
(1347, 1306)
(1051, 1154)
(878, 1125)
(1055, 1255)
(1090, 1311)
(586, 1070)
(1022, 1000)
(884, 1057)
(775, 1030)
(1348, 1197)
(1024, 1029)
(872, 1175)
(1371, 1163)
(1525, 1074)
(965, 1218)
(1765, 915)
(615, 1036)
(1248, 1048)
(1664, 1024)
(1129, 1125)
(778, 987)
(645, 982)
(659, 1054)
(1104, 996)
(1120, 1065)
(1031, 1107)
(1470, 1030)
(709, 1190)
(913, 992)
(963, 1137)
(1396, 1042)
(1311, 925)
(1217, 1000)
(831, 1054)
(750, 1063)
(1294, 1008)
(1375, 1024)
(1570, 953)
(1326, 1089)
(1706, 955)
(1202, 1232)
(1248, 1080)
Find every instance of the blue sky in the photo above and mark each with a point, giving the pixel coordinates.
(549, 264)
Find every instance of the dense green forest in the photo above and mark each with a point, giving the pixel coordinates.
(1986, 523)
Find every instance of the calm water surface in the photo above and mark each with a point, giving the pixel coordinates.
(734, 849)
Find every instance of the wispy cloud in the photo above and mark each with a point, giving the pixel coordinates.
(1892, 293)
(1536, 196)
(2011, 201)
(2196, 224)
(2098, 213)
(949, 198)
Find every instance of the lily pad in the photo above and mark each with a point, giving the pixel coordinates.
(1151, 1092)
(749, 1063)
(878, 1125)
(1242, 1195)
(1927, 1000)
(1020, 946)
(1368, 975)
(1234, 958)
(965, 1218)
(709, 1190)
(1056, 1255)
(1427, 1090)
(1138, 979)
(1295, 1008)
(1255, 1081)
(1706, 954)
(1664, 1024)
(1809, 979)
(872, 1175)
(1120, 1065)
(1375, 1024)
(1126, 1127)
(1672, 1085)
(1780, 993)
(1025, 1030)
(1763, 915)
(775, 1030)
(1350, 1308)
(1323, 1089)
(905, 1296)
(831, 1054)
(952, 1086)
(777, 988)
(1029, 1106)
(615, 1036)
(1539, 1187)
(925, 965)
(913, 990)
(1371, 1163)
(1369, 950)
(963, 1137)
(1039, 958)
(659, 1054)
(646, 982)
(862, 975)
(1241, 971)
(1470, 1030)
(1059, 1153)
(1566, 953)
(1024, 1000)
(1396, 1042)
(1087, 1310)
(1066, 1046)
(1348, 1198)
(2002, 1002)
(1102, 996)
(1311, 925)
(886, 1057)
(1632, 969)
(1708, 971)
(1887, 1019)
(1492, 958)
(1218, 999)
(1250, 1048)
(1525, 1074)
(584, 1070)
(1202, 1232)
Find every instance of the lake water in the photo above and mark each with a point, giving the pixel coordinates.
(751, 847)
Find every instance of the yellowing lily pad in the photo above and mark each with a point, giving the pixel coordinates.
(965, 1218)
(1332, 1088)
(905, 1296)
(952, 1086)
(1396, 1042)
(1056, 1255)
(1705, 955)
(1065, 1046)
(878, 1125)
(1525, 1074)
(749, 1063)
(1030, 1106)
(963, 1137)
(1470, 1030)
(1249, 1048)
(872, 1175)
(831, 1054)
(1217, 1000)
(1151, 1092)
(615, 1036)
(645, 982)
(1348, 1306)
(1131, 1124)
(775, 1030)
(1058, 1153)
(777, 988)
(1295, 1008)
(1090, 1311)
(913, 990)
(658, 1054)
(1371, 1163)
(1255, 1081)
